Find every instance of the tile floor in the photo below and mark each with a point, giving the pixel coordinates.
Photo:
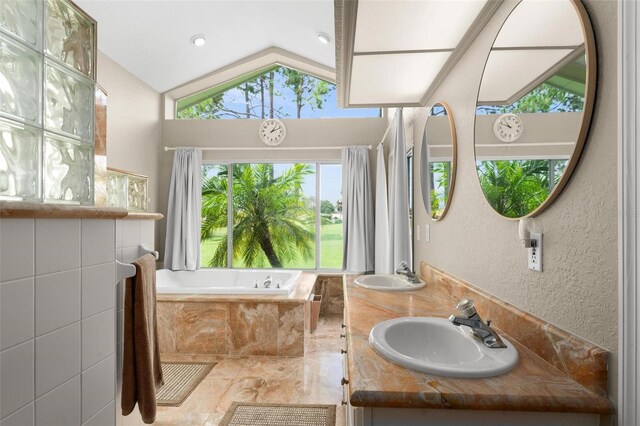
(312, 379)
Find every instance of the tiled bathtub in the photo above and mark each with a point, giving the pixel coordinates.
(235, 324)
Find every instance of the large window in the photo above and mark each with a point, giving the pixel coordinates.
(267, 215)
(275, 92)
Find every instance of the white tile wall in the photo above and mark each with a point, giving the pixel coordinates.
(57, 245)
(98, 337)
(106, 417)
(23, 417)
(98, 291)
(130, 233)
(57, 300)
(16, 373)
(61, 406)
(98, 231)
(16, 312)
(98, 387)
(57, 358)
(17, 249)
(58, 330)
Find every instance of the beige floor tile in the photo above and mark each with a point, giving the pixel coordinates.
(312, 379)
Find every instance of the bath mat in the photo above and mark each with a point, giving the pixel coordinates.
(252, 414)
(180, 379)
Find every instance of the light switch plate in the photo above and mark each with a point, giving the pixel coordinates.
(535, 253)
(427, 233)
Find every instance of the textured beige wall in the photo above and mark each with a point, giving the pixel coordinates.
(578, 288)
(133, 123)
(233, 133)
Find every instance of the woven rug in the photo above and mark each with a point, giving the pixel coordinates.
(180, 379)
(252, 414)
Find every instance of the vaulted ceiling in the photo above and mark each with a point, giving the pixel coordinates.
(151, 39)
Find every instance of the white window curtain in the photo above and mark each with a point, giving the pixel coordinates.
(399, 197)
(357, 210)
(383, 253)
(182, 245)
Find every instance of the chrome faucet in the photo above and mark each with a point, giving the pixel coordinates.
(267, 281)
(471, 319)
(403, 269)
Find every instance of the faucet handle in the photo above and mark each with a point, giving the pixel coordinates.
(403, 266)
(467, 308)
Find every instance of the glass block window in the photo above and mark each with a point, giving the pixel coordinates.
(47, 89)
(127, 190)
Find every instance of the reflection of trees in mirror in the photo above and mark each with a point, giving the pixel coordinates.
(273, 222)
(544, 98)
(439, 173)
(515, 188)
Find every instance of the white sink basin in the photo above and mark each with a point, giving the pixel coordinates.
(436, 346)
(387, 282)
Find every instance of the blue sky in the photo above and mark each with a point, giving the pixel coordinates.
(330, 181)
(285, 103)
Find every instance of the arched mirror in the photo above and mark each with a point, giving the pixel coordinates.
(534, 105)
(438, 161)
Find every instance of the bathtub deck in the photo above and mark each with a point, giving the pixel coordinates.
(300, 293)
(314, 378)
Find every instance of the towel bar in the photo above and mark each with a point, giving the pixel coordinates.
(142, 250)
(124, 270)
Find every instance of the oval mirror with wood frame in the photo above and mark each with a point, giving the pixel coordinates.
(534, 105)
(438, 161)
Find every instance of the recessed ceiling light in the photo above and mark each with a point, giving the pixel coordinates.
(198, 40)
(324, 38)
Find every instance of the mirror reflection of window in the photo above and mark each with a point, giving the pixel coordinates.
(438, 161)
(531, 103)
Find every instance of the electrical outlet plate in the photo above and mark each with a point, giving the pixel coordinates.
(535, 253)
(427, 233)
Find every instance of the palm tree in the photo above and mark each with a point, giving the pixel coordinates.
(516, 188)
(273, 221)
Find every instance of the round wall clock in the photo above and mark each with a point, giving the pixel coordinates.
(272, 132)
(508, 128)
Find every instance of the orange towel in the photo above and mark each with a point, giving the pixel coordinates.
(141, 370)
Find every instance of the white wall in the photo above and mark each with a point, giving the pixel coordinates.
(133, 123)
(578, 289)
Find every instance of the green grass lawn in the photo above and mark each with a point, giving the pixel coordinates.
(330, 250)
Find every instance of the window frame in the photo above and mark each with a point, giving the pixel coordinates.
(318, 226)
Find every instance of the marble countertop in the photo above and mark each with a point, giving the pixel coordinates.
(534, 385)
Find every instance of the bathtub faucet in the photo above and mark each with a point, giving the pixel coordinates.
(267, 281)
